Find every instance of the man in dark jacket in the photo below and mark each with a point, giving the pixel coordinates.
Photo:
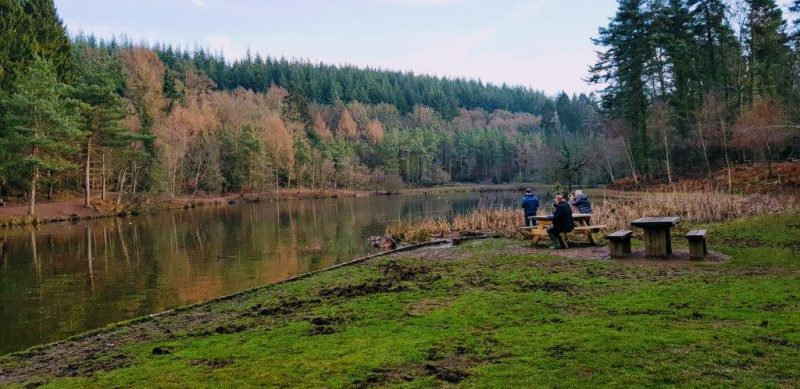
(562, 222)
(530, 205)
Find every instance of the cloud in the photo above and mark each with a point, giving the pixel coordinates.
(199, 3)
(474, 56)
(460, 46)
(226, 45)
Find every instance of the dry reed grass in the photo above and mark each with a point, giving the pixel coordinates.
(615, 212)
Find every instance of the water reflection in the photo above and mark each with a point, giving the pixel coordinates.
(60, 279)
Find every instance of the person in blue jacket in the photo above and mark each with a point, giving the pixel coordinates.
(581, 201)
(530, 205)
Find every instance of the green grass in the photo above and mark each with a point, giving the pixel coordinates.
(490, 316)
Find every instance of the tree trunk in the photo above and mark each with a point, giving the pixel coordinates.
(704, 147)
(87, 180)
(629, 153)
(725, 152)
(608, 167)
(32, 205)
(120, 185)
(103, 192)
(769, 159)
(666, 154)
(197, 174)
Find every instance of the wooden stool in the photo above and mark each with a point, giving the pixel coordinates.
(697, 244)
(620, 243)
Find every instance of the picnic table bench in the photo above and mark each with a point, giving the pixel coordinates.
(581, 226)
(697, 244)
(657, 241)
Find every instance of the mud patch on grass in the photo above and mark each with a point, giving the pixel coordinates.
(362, 289)
(452, 369)
(321, 325)
(213, 363)
(284, 307)
(230, 329)
(639, 312)
(560, 351)
(396, 278)
(83, 368)
(479, 280)
(424, 306)
(399, 271)
(436, 253)
(546, 286)
(393, 375)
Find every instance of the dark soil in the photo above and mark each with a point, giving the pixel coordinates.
(547, 286)
(211, 363)
(286, 306)
(325, 325)
(362, 289)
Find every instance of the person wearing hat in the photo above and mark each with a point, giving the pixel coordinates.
(530, 205)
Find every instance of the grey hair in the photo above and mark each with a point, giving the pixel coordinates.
(578, 192)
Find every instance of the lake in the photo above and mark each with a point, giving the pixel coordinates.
(62, 279)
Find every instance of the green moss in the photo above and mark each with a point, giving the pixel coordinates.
(493, 316)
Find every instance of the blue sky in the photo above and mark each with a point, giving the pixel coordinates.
(544, 44)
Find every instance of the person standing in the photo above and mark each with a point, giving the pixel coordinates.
(530, 205)
(562, 222)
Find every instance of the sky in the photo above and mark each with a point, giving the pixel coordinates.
(543, 44)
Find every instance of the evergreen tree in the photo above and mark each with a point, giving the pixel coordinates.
(767, 50)
(39, 126)
(15, 41)
(717, 45)
(50, 37)
(674, 35)
(621, 66)
(98, 80)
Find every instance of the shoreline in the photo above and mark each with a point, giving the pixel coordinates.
(140, 319)
(463, 314)
(73, 210)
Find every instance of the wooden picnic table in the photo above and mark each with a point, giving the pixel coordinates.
(581, 225)
(657, 241)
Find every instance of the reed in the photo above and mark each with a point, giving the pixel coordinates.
(707, 207)
(616, 212)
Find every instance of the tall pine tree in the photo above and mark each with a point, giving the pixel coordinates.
(621, 68)
(39, 126)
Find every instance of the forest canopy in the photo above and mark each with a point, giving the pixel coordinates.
(683, 83)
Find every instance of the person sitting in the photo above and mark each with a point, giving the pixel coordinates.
(562, 222)
(581, 201)
(530, 205)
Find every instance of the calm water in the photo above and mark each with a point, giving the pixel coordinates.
(61, 279)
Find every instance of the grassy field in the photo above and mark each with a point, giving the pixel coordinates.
(490, 313)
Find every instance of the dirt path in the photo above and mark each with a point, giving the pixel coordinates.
(52, 211)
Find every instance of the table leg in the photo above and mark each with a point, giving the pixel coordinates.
(588, 233)
(668, 237)
(655, 242)
(537, 233)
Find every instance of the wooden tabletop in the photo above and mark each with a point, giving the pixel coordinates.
(574, 216)
(650, 222)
